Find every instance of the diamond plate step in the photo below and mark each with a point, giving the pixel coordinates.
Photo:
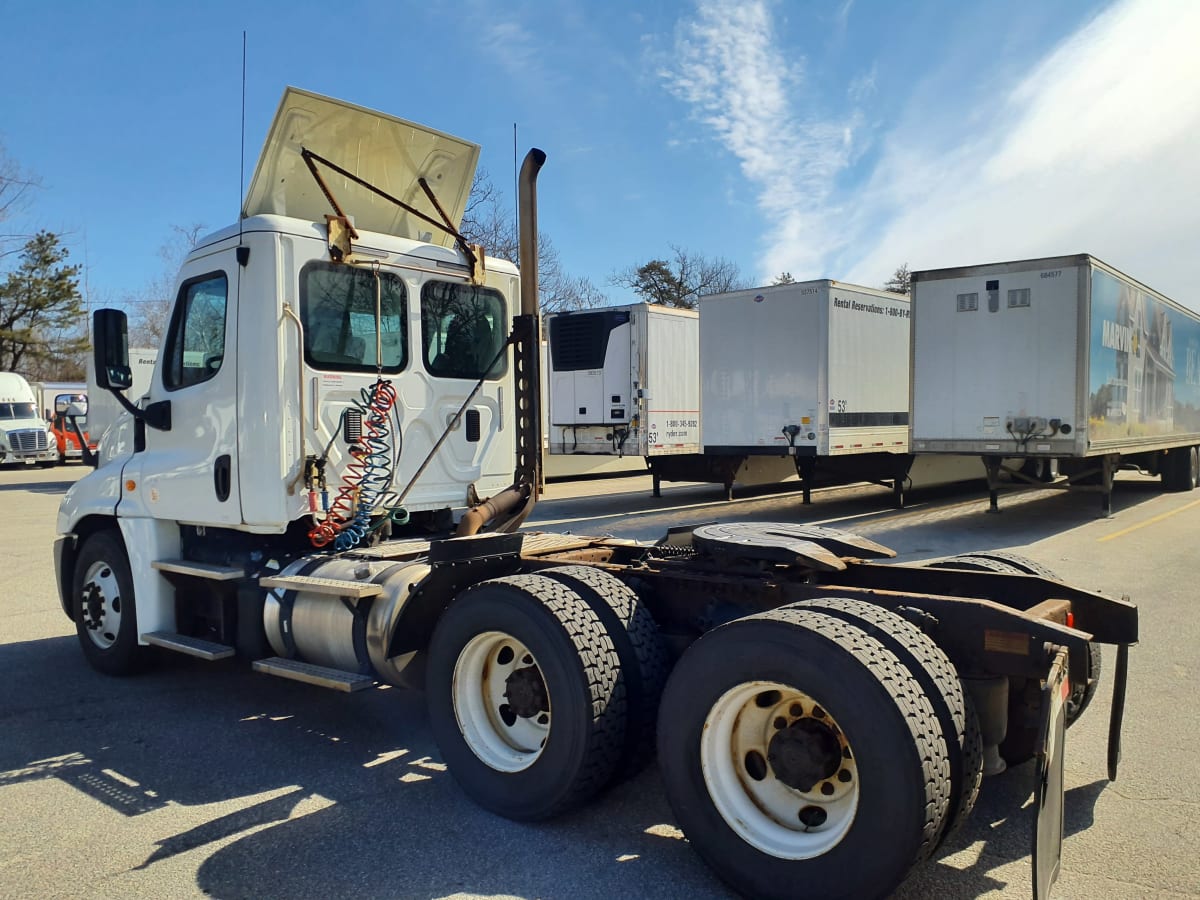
(181, 643)
(197, 569)
(322, 676)
(335, 587)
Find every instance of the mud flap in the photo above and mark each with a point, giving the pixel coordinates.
(1118, 710)
(1048, 831)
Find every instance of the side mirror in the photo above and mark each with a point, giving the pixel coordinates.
(75, 410)
(110, 345)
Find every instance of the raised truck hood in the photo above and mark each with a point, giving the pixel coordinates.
(387, 152)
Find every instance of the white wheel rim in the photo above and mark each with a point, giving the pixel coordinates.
(487, 667)
(747, 791)
(102, 604)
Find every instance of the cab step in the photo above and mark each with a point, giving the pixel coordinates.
(335, 587)
(181, 643)
(321, 676)
(198, 569)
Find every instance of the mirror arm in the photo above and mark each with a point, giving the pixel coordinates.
(156, 415)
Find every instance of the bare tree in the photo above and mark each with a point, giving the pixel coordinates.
(681, 281)
(487, 222)
(15, 186)
(901, 280)
(783, 278)
(150, 307)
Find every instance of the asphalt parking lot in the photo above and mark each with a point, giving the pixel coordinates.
(202, 779)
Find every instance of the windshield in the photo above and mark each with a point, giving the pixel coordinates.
(18, 411)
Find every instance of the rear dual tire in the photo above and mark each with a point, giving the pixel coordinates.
(525, 696)
(802, 757)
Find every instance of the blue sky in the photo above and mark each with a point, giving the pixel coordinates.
(831, 139)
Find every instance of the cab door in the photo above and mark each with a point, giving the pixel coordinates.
(189, 473)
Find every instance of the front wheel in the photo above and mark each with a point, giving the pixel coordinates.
(104, 606)
(525, 696)
(801, 757)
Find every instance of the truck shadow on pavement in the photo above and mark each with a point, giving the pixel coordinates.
(37, 487)
(306, 793)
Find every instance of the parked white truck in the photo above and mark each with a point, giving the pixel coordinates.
(25, 436)
(324, 379)
(1062, 361)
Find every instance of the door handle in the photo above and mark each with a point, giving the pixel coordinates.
(222, 477)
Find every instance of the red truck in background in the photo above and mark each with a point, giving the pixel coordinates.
(68, 443)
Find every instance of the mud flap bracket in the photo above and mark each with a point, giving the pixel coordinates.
(1049, 788)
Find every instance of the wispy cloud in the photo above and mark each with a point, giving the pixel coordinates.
(730, 69)
(1094, 150)
(1091, 149)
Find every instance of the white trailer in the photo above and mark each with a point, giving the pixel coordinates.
(809, 378)
(624, 381)
(1058, 361)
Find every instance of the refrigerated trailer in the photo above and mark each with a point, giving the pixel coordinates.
(624, 381)
(1062, 362)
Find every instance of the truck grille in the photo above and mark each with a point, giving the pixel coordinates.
(28, 440)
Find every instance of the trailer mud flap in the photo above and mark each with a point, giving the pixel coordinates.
(1048, 831)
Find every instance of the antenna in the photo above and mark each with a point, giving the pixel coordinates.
(242, 147)
(516, 191)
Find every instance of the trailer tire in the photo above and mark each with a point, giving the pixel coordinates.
(938, 678)
(104, 606)
(640, 649)
(1182, 471)
(751, 814)
(561, 742)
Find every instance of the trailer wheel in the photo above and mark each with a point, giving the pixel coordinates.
(104, 608)
(938, 678)
(640, 649)
(801, 757)
(525, 696)
(1182, 469)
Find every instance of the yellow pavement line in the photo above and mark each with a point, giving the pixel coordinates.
(1150, 521)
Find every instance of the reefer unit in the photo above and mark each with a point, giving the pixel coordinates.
(1061, 358)
(624, 381)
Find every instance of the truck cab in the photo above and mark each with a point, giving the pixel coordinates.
(25, 436)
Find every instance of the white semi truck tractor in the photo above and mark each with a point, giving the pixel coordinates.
(327, 477)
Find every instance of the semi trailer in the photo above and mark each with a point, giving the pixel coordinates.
(313, 482)
(624, 381)
(1056, 364)
(807, 379)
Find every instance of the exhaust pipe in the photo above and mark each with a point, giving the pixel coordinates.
(527, 233)
(527, 479)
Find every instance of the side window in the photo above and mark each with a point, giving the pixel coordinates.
(462, 330)
(196, 345)
(337, 306)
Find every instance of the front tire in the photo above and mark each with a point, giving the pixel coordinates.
(802, 758)
(105, 609)
(525, 696)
